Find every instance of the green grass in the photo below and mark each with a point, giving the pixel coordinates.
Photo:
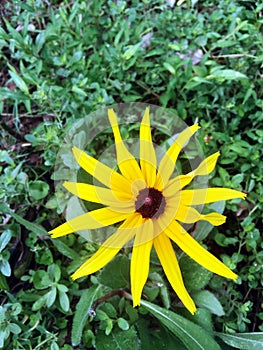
(60, 61)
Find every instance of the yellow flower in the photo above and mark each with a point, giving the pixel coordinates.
(151, 204)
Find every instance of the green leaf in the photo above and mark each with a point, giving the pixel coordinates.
(39, 303)
(131, 51)
(195, 276)
(191, 335)
(82, 312)
(14, 328)
(226, 74)
(116, 273)
(65, 250)
(51, 296)
(161, 339)
(169, 67)
(5, 238)
(123, 324)
(64, 301)
(118, 339)
(206, 299)
(29, 225)
(19, 82)
(5, 268)
(246, 341)
(38, 189)
(3, 283)
(41, 279)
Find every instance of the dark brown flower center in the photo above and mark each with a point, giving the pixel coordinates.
(150, 203)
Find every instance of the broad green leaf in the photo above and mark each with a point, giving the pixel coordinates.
(118, 339)
(38, 189)
(14, 328)
(19, 82)
(5, 268)
(41, 279)
(116, 273)
(156, 340)
(29, 225)
(202, 317)
(82, 312)
(195, 276)
(123, 324)
(206, 299)
(5, 238)
(191, 335)
(245, 341)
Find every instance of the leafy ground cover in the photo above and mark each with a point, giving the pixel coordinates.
(62, 60)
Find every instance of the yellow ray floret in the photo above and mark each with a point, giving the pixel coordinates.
(171, 268)
(147, 152)
(94, 219)
(126, 161)
(187, 243)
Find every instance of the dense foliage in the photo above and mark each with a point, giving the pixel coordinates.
(61, 60)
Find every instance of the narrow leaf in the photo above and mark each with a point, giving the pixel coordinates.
(191, 335)
(19, 82)
(246, 341)
(29, 225)
(82, 312)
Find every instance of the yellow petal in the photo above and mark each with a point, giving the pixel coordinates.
(141, 259)
(108, 250)
(171, 268)
(126, 161)
(147, 151)
(208, 195)
(192, 248)
(176, 184)
(101, 195)
(102, 172)
(190, 215)
(91, 220)
(167, 163)
(206, 166)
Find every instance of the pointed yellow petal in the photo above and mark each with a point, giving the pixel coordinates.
(167, 163)
(192, 248)
(94, 219)
(206, 166)
(108, 250)
(102, 172)
(171, 268)
(176, 184)
(147, 151)
(101, 195)
(126, 161)
(208, 195)
(190, 215)
(140, 260)
(214, 218)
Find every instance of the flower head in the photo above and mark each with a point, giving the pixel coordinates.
(151, 204)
